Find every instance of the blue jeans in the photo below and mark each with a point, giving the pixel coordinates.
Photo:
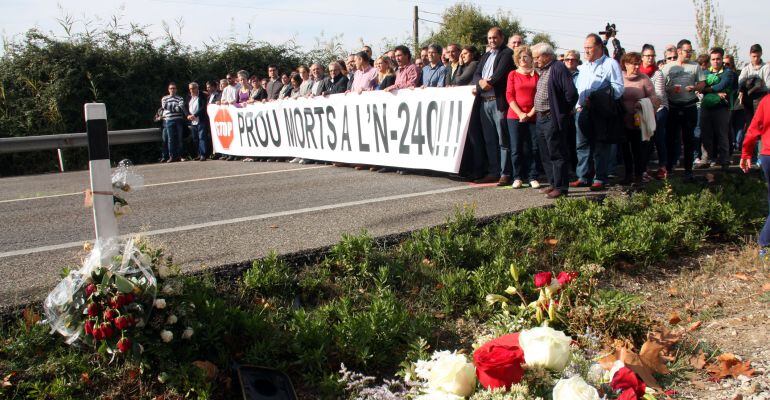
(764, 235)
(524, 150)
(660, 136)
(164, 142)
(174, 137)
(492, 128)
(199, 135)
(590, 150)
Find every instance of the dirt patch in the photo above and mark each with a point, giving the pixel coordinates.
(727, 289)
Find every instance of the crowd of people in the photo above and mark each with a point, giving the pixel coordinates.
(537, 114)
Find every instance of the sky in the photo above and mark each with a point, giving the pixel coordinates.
(304, 22)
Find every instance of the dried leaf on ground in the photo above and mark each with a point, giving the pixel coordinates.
(30, 318)
(6, 383)
(766, 287)
(729, 365)
(551, 241)
(698, 361)
(632, 361)
(209, 368)
(742, 276)
(694, 326)
(674, 318)
(651, 357)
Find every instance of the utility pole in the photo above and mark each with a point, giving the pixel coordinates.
(416, 32)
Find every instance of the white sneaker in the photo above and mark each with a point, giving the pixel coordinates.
(534, 184)
(517, 184)
(295, 160)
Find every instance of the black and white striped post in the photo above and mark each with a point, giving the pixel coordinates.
(105, 223)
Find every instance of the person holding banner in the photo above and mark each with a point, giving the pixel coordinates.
(385, 77)
(365, 77)
(407, 75)
(491, 78)
(337, 82)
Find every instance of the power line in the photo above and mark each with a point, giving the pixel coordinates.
(314, 12)
(430, 12)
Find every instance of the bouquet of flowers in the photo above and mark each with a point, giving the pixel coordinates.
(103, 303)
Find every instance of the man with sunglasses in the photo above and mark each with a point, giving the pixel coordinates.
(683, 78)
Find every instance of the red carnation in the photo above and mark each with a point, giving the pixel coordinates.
(89, 327)
(566, 277)
(90, 289)
(626, 379)
(93, 310)
(543, 279)
(122, 322)
(110, 314)
(106, 330)
(124, 345)
(498, 362)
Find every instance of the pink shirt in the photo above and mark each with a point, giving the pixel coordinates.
(406, 77)
(364, 80)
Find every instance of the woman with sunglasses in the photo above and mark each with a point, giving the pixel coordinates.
(650, 68)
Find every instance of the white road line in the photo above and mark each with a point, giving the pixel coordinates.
(173, 183)
(242, 219)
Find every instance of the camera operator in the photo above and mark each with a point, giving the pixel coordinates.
(610, 32)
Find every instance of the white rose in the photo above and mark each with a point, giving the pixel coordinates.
(160, 304)
(167, 290)
(166, 336)
(545, 347)
(452, 374)
(187, 333)
(171, 320)
(574, 388)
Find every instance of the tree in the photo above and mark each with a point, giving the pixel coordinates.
(542, 37)
(465, 24)
(710, 27)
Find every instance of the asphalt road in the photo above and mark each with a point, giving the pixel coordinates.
(215, 213)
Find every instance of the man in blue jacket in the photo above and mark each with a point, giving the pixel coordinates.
(555, 98)
(199, 119)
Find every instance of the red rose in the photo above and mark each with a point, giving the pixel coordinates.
(110, 314)
(566, 277)
(543, 279)
(90, 289)
(124, 345)
(89, 327)
(626, 379)
(629, 394)
(93, 310)
(98, 334)
(122, 322)
(498, 362)
(106, 329)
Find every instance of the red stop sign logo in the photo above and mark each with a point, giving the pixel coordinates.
(223, 128)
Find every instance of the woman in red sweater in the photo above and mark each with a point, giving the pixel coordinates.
(520, 93)
(760, 130)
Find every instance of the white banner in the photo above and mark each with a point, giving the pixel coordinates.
(416, 129)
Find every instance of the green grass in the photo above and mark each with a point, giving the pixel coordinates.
(369, 306)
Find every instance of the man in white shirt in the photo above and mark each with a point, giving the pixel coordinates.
(230, 93)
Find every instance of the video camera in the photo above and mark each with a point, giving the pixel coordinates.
(609, 31)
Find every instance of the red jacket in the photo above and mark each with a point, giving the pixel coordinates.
(759, 129)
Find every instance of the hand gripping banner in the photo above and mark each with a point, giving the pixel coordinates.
(415, 129)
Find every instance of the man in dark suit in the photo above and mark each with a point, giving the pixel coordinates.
(274, 85)
(199, 120)
(490, 79)
(555, 98)
(336, 82)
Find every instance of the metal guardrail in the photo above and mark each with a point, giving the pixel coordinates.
(69, 140)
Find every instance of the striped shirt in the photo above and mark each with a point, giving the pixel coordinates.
(659, 82)
(173, 107)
